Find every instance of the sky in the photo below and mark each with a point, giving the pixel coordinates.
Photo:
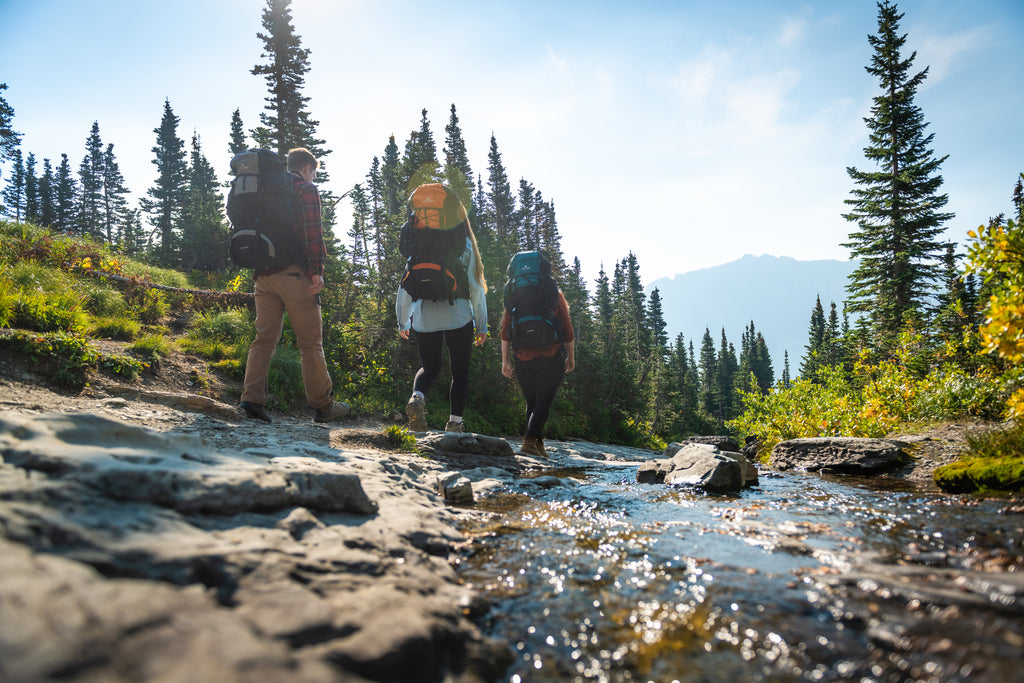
(688, 133)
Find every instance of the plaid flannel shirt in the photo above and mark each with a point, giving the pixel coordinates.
(310, 229)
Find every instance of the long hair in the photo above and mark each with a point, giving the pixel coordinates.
(478, 271)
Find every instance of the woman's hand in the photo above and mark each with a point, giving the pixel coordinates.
(404, 334)
(481, 337)
(506, 368)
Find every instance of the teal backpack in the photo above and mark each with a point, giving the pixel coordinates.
(531, 300)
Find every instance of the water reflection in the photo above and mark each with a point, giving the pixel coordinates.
(628, 582)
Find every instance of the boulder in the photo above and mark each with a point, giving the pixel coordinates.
(703, 466)
(848, 455)
(723, 443)
(470, 451)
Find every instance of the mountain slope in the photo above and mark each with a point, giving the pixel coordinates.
(777, 293)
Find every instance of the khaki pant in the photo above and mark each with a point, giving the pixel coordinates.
(275, 294)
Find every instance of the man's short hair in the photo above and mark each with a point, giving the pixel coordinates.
(300, 157)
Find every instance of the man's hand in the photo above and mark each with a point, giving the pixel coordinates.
(318, 284)
(480, 339)
(404, 334)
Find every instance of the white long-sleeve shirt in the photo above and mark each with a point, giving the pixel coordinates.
(433, 316)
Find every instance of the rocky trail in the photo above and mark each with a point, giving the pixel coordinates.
(150, 532)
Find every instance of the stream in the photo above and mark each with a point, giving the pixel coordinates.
(803, 578)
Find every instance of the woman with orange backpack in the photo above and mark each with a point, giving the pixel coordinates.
(442, 297)
(537, 327)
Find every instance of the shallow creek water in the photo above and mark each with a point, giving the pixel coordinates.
(803, 577)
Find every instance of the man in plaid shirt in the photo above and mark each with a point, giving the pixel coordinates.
(294, 289)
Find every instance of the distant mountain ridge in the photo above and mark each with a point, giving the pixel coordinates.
(777, 293)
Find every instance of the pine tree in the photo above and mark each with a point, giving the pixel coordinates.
(202, 227)
(90, 178)
(14, 193)
(286, 123)
(897, 208)
(707, 374)
(359, 242)
(47, 198)
(238, 142)
(501, 207)
(115, 206)
(9, 138)
(525, 223)
(458, 175)
(165, 200)
(31, 190)
(787, 381)
(65, 198)
(390, 172)
(815, 336)
(419, 161)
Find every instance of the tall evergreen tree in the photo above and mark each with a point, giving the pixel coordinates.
(419, 161)
(707, 375)
(65, 197)
(501, 208)
(10, 139)
(815, 337)
(286, 122)
(898, 207)
(14, 192)
(457, 172)
(165, 200)
(90, 178)
(47, 198)
(238, 142)
(31, 190)
(115, 206)
(202, 228)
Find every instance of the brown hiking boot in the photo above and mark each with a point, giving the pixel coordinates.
(255, 411)
(416, 411)
(334, 411)
(533, 446)
(454, 426)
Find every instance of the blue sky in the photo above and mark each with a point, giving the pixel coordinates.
(690, 133)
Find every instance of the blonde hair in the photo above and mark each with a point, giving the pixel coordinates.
(478, 271)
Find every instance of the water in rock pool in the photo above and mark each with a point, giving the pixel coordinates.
(803, 578)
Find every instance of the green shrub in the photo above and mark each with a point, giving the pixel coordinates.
(48, 313)
(124, 329)
(70, 355)
(122, 366)
(105, 302)
(950, 393)
(995, 463)
(401, 438)
(230, 327)
(151, 345)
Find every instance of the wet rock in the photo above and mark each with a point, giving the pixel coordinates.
(840, 454)
(455, 489)
(470, 451)
(703, 466)
(723, 443)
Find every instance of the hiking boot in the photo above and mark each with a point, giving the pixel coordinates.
(454, 426)
(533, 446)
(335, 411)
(255, 411)
(416, 411)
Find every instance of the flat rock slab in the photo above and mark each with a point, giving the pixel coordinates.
(849, 455)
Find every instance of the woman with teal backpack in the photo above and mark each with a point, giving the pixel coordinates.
(536, 326)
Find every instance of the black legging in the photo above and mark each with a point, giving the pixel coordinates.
(460, 344)
(539, 380)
